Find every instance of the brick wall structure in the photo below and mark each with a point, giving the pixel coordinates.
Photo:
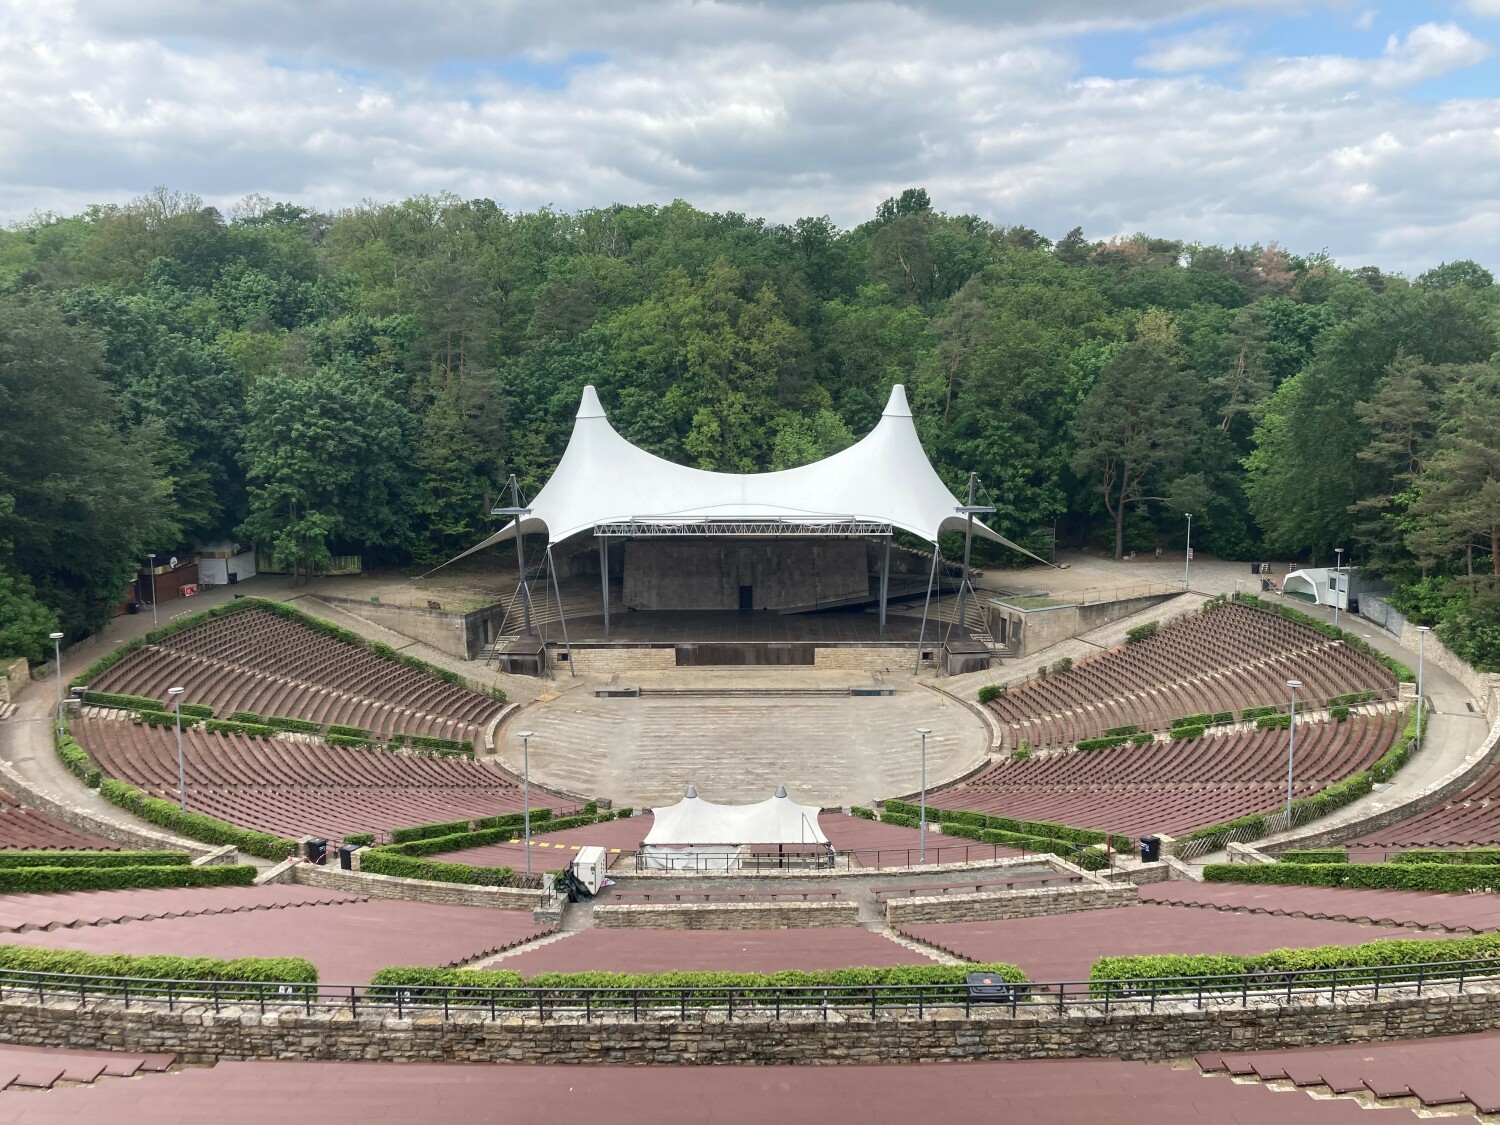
(1040, 902)
(726, 915)
(415, 890)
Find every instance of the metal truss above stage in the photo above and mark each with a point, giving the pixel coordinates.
(751, 529)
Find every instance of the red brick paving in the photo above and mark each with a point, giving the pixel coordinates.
(1051, 1092)
(348, 943)
(1064, 947)
(748, 951)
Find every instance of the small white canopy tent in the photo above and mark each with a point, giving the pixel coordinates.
(702, 835)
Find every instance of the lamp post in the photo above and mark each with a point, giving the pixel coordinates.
(1338, 570)
(1422, 631)
(151, 566)
(1187, 555)
(57, 661)
(525, 737)
(1291, 747)
(176, 694)
(922, 821)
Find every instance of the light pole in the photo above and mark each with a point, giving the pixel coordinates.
(1338, 570)
(1422, 631)
(151, 566)
(922, 822)
(176, 694)
(1187, 555)
(57, 660)
(1291, 747)
(525, 737)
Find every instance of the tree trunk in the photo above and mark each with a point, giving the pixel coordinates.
(1119, 515)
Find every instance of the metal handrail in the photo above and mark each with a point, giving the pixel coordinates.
(763, 1002)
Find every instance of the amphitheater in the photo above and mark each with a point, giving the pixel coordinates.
(1148, 890)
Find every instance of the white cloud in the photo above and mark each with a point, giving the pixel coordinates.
(1203, 51)
(1489, 9)
(829, 119)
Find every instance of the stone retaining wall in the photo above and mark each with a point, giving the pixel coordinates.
(415, 890)
(200, 1035)
(863, 659)
(727, 915)
(981, 907)
(611, 658)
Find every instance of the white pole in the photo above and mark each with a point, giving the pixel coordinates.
(525, 736)
(1187, 557)
(922, 839)
(151, 565)
(1338, 571)
(176, 694)
(1422, 631)
(57, 657)
(1291, 747)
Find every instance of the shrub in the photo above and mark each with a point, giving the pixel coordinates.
(1141, 632)
(1145, 738)
(158, 719)
(1375, 876)
(360, 839)
(428, 742)
(841, 985)
(1187, 733)
(195, 826)
(125, 702)
(1353, 697)
(100, 966)
(1191, 721)
(78, 762)
(428, 831)
(94, 859)
(246, 717)
(1483, 856)
(1315, 855)
(383, 862)
(281, 722)
(1105, 743)
(452, 842)
(1273, 722)
(1340, 714)
(862, 813)
(899, 819)
(1221, 717)
(1062, 665)
(1019, 755)
(625, 811)
(196, 711)
(1259, 712)
(1041, 673)
(51, 880)
(1254, 825)
(513, 820)
(990, 692)
(1129, 728)
(1189, 972)
(347, 740)
(226, 726)
(349, 732)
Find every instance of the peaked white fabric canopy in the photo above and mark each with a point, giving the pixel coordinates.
(885, 478)
(777, 820)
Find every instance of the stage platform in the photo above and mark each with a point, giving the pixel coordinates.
(831, 628)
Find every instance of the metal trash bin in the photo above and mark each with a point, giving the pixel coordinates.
(346, 856)
(317, 850)
(987, 988)
(1150, 849)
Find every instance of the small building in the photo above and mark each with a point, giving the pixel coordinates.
(225, 563)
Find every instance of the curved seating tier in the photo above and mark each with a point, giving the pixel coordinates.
(1224, 659)
(1469, 819)
(256, 661)
(25, 828)
(297, 787)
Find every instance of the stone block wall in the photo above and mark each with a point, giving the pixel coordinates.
(864, 659)
(1483, 686)
(610, 659)
(415, 890)
(981, 907)
(727, 915)
(13, 677)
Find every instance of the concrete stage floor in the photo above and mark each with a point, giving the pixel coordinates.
(828, 627)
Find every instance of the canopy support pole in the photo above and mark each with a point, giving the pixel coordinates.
(562, 618)
(604, 578)
(885, 583)
(922, 634)
(515, 501)
(963, 586)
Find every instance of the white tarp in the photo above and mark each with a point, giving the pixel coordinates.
(883, 478)
(692, 820)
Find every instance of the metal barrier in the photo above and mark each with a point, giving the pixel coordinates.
(1028, 998)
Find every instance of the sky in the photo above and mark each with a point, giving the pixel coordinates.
(1370, 131)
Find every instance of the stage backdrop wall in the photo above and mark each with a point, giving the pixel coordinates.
(707, 574)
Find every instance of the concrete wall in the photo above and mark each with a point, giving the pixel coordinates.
(727, 915)
(415, 890)
(1031, 630)
(197, 1034)
(707, 574)
(612, 658)
(457, 634)
(1036, 903)
(13, 678)
(865, 659)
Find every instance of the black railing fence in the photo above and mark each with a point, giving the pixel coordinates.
(754, 1002)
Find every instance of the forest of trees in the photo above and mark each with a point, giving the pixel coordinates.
(364, 382)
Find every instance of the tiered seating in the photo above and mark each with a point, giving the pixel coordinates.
(24, 828)
(1226, 659)
(256, 661)
(1469, 819)
(1175, 786)
(1455, 913)
(296, 787)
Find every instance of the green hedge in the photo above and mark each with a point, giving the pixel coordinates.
(1145, 738)
(862, 813)
(1353, 697)
(1107, 742)
(1141, 632)
(127, 702)
(1484, 856)
(196, 711)
(1039, 828)
(94, 859)
(381, 862)
(1089, 858)
(843, 985)
(77, 759)
(348, 732)
(513, 820)
(452, 842)
(1190, 971)
(990, 692)
(102, 966)
(1315, 855)
(195, 826)
(1395, 667)
(282, 722)
(348, 740)
(245, 717)
(226, 726)
(51, 880)
(1452, 877)
(901, 820)
(429, 742)
(1340, 714)
(428, 831)
(1191, 721)
(360, 839)
(1128, 728)
(1273, 722)
(1259, 712)
(1188, 733)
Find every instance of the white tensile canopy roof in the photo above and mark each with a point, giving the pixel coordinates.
(884, 479)
(692, 820)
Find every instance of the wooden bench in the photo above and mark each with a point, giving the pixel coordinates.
(806, 894)
(883, 893)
